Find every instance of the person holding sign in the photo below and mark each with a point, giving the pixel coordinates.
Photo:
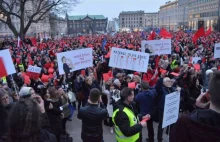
(127, 127)
(67, 66)
(166, 89)
(204, 124)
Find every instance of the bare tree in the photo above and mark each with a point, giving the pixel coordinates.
(31, 11)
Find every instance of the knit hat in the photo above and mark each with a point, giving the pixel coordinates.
(208, 72)
(116, 82)
(25, 92)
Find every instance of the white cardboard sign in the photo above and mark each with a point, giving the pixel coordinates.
(217, 51)
(156, 47)
(128, 59)
(74, 60)
(171, 109)
(9, 66)
(34, 69)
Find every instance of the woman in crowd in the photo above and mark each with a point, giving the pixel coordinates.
(6, 104)
(87, 86)
(78, 83)
(54, 112)
(31, 126)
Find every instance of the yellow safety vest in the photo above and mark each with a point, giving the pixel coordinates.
(132, 119)
(173, 66)
(21, 66)
(4, 80)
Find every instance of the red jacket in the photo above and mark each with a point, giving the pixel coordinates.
(148, 77)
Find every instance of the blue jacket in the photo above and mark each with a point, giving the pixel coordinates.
(146, 100)
(165, 91)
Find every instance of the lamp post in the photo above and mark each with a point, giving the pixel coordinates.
(218, 22)
(169, 23)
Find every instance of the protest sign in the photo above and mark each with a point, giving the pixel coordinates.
(33, 72)
(74, 60)
(171, 109)
(7, 62)
(156, 47)
(217, 51)
(128, 59)
(195, 60)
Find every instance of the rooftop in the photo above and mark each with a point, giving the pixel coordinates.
(132, 12)
(169, 3)
(78, 17)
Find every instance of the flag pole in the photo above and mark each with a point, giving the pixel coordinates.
(14, 84)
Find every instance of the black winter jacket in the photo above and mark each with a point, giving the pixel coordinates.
(92, 117)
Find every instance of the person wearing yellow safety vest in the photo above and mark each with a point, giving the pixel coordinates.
(174, 62)
(127, 126)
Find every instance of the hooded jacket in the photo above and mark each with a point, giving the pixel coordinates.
(200, 126)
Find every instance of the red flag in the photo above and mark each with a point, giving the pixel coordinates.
(3, 71)
(208, 32)
(164, 33)
(152, 35)
(34, 41)
(198, 34)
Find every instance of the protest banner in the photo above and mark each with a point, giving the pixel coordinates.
(128, 59)
(33, 72)
(74, 60)
(217, 51)
(195, 60)
(156, 47)
(6, 63)
(171, 109)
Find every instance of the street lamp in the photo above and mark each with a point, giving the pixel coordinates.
(218, 22)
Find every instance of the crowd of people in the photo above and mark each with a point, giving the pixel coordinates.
(36, 109)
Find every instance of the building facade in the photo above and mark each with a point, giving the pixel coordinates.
(182, 14)
(151, 20)
(168, 15)
(131, 20)
(86, 24)
(203, 13)
(113, 25)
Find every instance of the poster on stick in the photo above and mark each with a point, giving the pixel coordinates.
(217, 51)
(7, 62)
(196, 59)
(74, 60)
(156, 47)
(128, 59)
(171, 109)
(33, 72)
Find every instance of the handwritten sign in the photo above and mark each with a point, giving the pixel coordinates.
(171, 109)
(129, 59)
(33, 72)
(74, 60)
(217, 51)
(156, 47)
(34, 69)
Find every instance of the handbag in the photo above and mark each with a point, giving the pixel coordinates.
(71, 96)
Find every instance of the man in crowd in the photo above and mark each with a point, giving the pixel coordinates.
(145, 100)
(92, 116)
(127, 127)
(203, 124)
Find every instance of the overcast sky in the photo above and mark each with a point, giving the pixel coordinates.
(112, 8)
